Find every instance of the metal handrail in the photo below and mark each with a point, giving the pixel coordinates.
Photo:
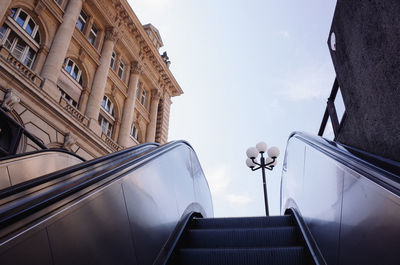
(330, 112)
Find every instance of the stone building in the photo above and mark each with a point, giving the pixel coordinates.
(84, 75)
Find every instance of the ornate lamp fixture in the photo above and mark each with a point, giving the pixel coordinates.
(264, 163)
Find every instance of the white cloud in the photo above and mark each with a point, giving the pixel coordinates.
(284, 34)
(219, 179)
(309, 82)
(238, 199)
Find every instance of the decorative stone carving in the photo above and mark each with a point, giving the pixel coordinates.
(136, 68)
(10, 99)
(111, 34)
(155, 94)
(69, 141)
(39, 7)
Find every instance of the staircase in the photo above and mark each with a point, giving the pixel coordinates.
(230, 241)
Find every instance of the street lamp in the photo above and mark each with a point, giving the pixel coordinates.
(265, 163)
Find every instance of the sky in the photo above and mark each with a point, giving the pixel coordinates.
(251, 71)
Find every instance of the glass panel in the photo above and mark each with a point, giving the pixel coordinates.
(137, 91)
(92, 38)
(10, 40)
(80, 24)
(3, 30)
(103, 103)
(18, 50)
(75, 72)
(21, 18)
(30, 26)
(29, 58)
(13, 11)
(37, 37)
(80, 80)
(68, 67)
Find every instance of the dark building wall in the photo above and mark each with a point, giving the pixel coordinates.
(367, 64)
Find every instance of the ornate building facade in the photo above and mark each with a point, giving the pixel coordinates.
(84, 75)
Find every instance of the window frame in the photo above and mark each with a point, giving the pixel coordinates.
(134, 132)
(143, 98)
(107, 126)
(14, 16)
(121, 70)
(95, 33)
(81, 18)
(113, 60)
(109, 112)
(78, 78)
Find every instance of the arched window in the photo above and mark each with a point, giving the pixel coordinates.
(134, 132)
(72, 68)
(108, 105)
(20, 35)
(106, 117)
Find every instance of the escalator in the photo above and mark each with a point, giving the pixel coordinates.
(247, 240)
(152, 205)
(118, 209)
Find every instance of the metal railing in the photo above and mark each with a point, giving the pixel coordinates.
(11, 133)
(330, 112)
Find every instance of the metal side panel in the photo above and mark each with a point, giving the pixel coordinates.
(124, 219)
(370, 223)
(96, 232)
(33, 250)
(349, 205)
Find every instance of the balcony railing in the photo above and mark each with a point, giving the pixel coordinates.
(74, 111)
(110, 142)
(17, 64)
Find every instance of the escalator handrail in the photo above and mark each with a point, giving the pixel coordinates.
(307, 237)
(176, 235)
(346, 156)
(49, 150)
(54, 175)
(27, 207)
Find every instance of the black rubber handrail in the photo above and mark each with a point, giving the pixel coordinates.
(360, 162)
(171, 245)
(27, 207)
(81, 166)
(307, 237)
(58, 150)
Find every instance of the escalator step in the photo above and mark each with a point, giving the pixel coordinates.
(242, 256)
(271, 221)
(252, 237)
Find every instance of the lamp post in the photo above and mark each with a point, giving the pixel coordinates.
(265, 163)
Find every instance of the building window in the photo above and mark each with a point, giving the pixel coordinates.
(73, 70)
(106, 126)
(134, 132)
(26, 22)
(108, 106)
(80, 24)
(93, 35)
(11, 40)
(113, 58)
(121, 70)
(69, 99)
(143, 98)
(138, 91)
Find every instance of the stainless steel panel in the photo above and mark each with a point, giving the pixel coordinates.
(370, 231)
(127, 220)
(25, 168)
(96, 232)
(33, 250)
(353, 219)
(4, 178)
(322, 202)
(156, 196)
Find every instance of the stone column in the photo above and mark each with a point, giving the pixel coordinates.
(54, 60)
(83, 100)
(151, 128)
(99, 81)
(3, 10)
(129, 105)
(163, 118)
